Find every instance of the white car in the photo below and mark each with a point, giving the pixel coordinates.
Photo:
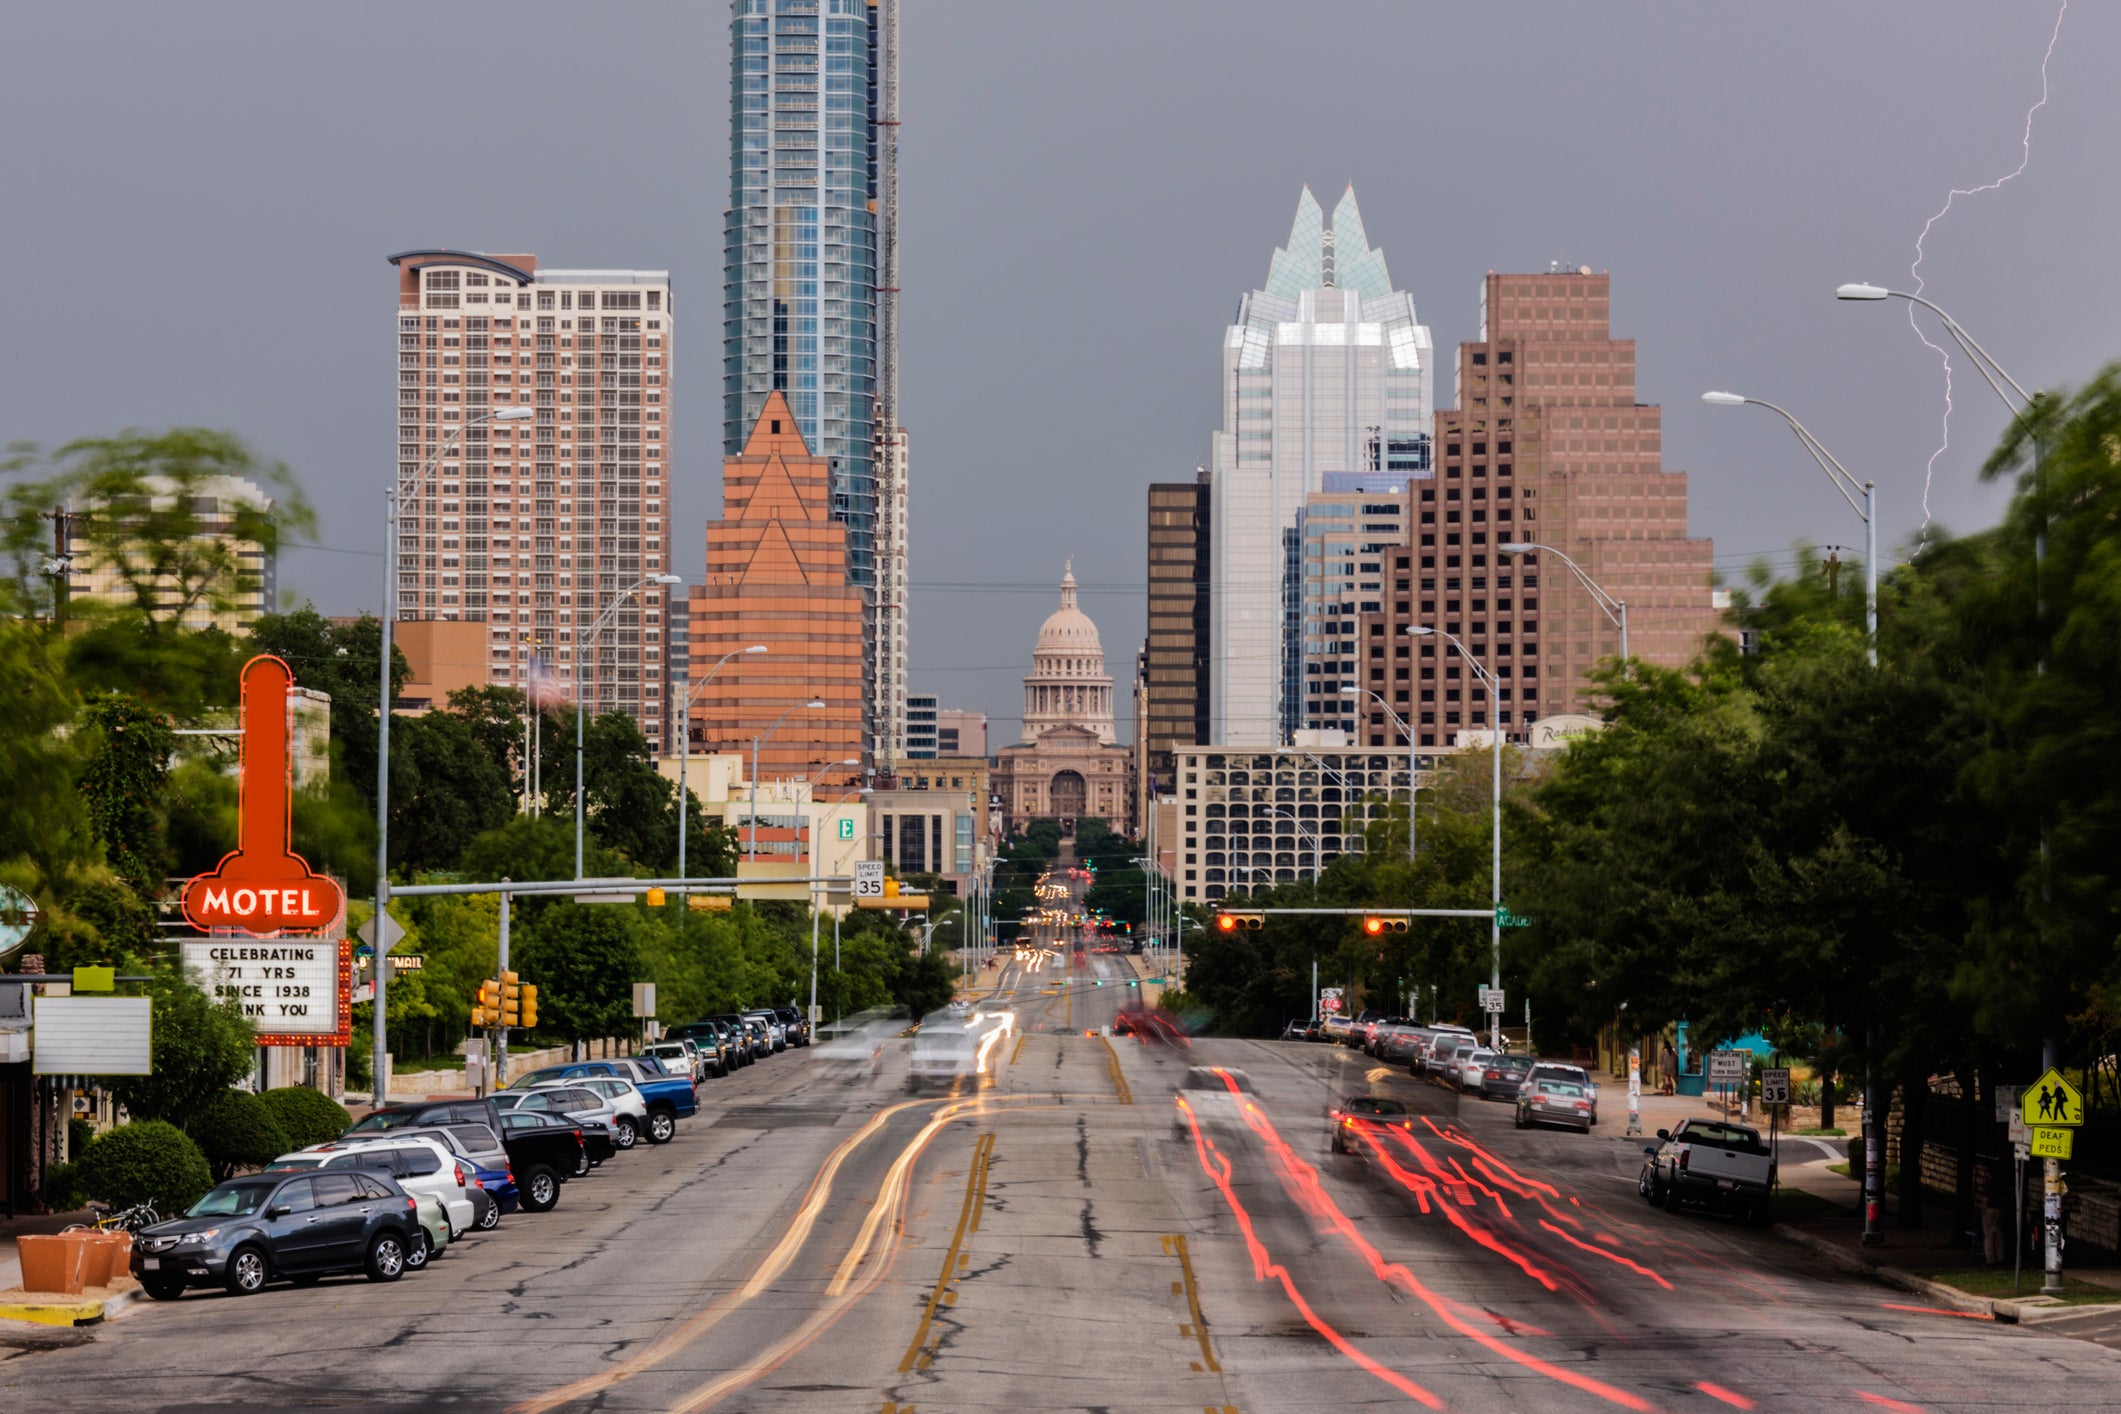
(629, 1107)
(419, 1165)
(1211, 1095)
(1468, 1066)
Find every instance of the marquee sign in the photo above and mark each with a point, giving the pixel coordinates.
(293, 991)
(264, 887)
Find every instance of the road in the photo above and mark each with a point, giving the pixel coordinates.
(1057, 1235)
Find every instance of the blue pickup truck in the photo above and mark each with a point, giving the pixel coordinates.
(670, 1098)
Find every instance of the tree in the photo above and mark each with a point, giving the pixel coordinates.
(122, 785)
(445, 791)
(304, 1115)
(584, 960)
(234, 1130)
(200, 1048)
(926, 983)
(632, 808)
(158, 511)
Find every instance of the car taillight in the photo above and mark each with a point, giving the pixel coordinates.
(463, 1179)
(509, 1173)
(1682, 1158)
(412, 1205)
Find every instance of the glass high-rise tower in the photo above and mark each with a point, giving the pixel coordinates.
(808, 276)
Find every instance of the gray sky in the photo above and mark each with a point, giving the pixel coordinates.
(201, 197)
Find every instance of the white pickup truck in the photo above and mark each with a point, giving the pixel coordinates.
(1709, 1161)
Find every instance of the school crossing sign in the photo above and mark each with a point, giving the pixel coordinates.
(2051, 1101)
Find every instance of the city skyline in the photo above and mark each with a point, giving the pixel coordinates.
(1671, 185)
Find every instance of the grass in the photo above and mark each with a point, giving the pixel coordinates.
(1817, 1133)
(1996, 1282)
(1892, 1175)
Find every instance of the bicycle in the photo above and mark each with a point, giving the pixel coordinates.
(132, 1219)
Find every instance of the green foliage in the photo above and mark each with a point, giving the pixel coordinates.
(199, 1049)
(147, 1161)
(445, 791)
(122, 786)
(925, 984)
(305, 1116)
(62, 1188)
(78, 1132)
(584, 959)
(235, 1130)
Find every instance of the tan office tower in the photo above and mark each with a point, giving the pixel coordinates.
(1173, 674)
(526, 544)
(777, 577)
(1548, 446)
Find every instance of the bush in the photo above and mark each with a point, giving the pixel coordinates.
(62, 1188)
(235, 1130)
(305, 1116)
(78, 1132)
(142, 1162)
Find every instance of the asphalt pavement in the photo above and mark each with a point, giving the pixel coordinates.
(1056, 1234)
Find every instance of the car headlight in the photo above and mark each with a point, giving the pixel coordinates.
(194, 1239)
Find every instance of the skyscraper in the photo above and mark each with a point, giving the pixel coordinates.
(1326, 372)
(1548, 446)
(1174, 668)
(810, 285)
(523, 537)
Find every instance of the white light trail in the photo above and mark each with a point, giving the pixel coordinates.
(1944, 356)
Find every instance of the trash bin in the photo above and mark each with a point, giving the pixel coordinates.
(110, 1257)
(54, 1263)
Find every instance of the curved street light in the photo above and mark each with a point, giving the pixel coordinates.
(816, 704)
(1845, 483)
(400, 486)
(581, 657)
(1615, 609)
(685, 742)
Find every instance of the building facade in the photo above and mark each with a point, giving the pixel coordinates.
(802, 827)
(1244, 819)
(921, 712)
(960, 733)
(542, 529)
(223, 508)
(1326, 371)
(1068, 765)
(810, 282)
(777, 577)
(1350, 532)
(1549, 447)
(1173, 687)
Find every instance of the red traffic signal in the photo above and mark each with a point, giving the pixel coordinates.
(1234, 922)
(1375, 925)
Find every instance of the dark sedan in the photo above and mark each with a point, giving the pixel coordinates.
(1358, 1114)
(1501, 1077)
(247, 1231)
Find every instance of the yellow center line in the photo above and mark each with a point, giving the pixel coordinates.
(1119, 1081)
(917, 1353)
(1021, 1037)
(1175, 1245)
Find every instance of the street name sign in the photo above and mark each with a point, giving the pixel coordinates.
(869, 878)
(1775, 1085)
(2051, 1101)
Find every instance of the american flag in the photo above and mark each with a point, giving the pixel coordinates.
(542, 687)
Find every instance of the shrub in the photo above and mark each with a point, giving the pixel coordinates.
(78, 1132)
(235, 1130)
(145, 1161)
(62, 1188)
(305, 1116)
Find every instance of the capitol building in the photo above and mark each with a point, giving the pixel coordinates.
(1067, 765)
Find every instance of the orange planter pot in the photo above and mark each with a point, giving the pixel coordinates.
(110, 1256)
(54, 1263)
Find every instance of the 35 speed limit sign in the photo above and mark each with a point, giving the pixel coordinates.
(869, 878)
(1774, 1085)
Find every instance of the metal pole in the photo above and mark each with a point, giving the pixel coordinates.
(1870, 567)
(752, 853)
(1623, 632)
(379, 1064)
(684, 750)
(811, 1015)
(839, 1000)
(2051, 1200)
(1495, 873)
(500, 1048)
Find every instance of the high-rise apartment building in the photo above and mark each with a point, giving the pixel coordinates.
(1548, 446)
(1326, 371)
(921, 735)
(777, 577)
(810, 284)
(225, 587)
(542, 529)
(1173, 696)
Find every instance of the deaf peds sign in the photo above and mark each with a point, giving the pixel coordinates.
(263, 887)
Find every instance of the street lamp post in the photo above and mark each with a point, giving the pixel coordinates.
(1615, 609)
(841, 805)
(1495, 866)
(1406, 730)
(814, 705)
(685, 742)
(1845, 483)
(397, 487)
(581, 654)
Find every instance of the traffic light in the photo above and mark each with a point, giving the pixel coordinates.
(1375, 925)
(511, 999)
(655, 898)
(890, 888)
(1236, 922)
(527, 1006)
(709, 903)
(486, 1005)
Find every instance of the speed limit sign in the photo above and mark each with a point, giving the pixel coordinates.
(1774, 1085)
(869, 878)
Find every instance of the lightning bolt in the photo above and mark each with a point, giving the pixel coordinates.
(1944, 357)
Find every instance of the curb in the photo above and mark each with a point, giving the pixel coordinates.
(2004, 1311)
(55, 1313)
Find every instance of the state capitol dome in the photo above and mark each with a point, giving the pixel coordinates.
(1067, 686)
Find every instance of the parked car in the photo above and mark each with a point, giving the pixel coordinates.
(1337, 1028)
(249, 1230)
(1502, 1076)
(1357, 1112)
(628, 1105)
(797, 1025)
(1547, 1101)
(717, 1042)
(1468, 1064)
(544, 1151)
(1443, 1051)
(1562, 1070)
(585, 1108)
(482, 1152)
(1300, 1029)
(435, 1227)
(777, 1034)
(1709, 1161)
(431, 1112)
(670, 1098)
(419, 1165)
(683, 1054)
(1380, 1034)
(743, 1036)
